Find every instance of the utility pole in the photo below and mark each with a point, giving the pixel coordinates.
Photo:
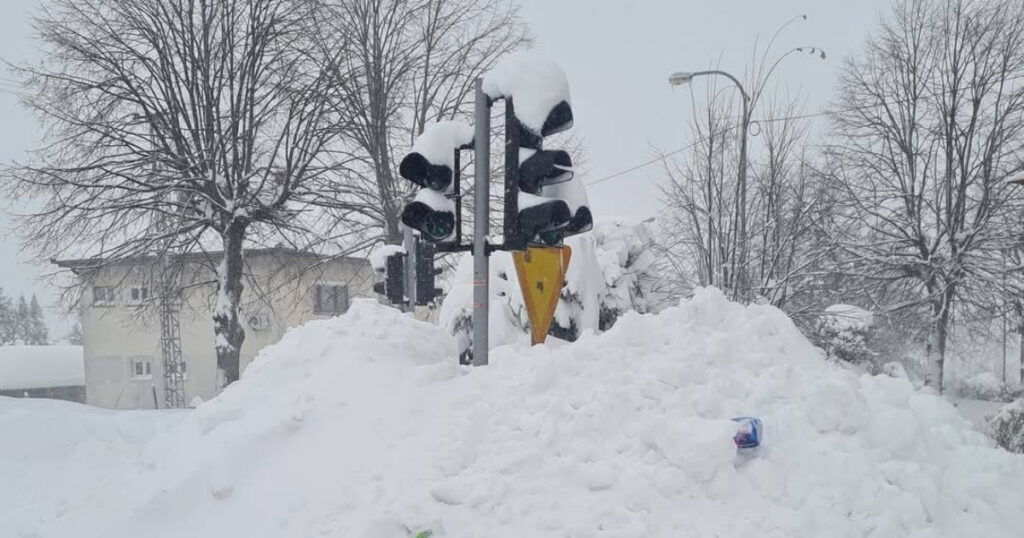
(481, 205)
(168, 269)
(409, 242)
(169, 280)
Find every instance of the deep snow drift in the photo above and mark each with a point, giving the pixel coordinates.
(364, 426)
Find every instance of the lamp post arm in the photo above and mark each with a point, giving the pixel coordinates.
(736, 81)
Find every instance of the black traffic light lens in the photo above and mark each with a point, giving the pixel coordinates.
(544, 217)
(439, 225)
(581, 222)
(558, 120)
(543, 168)
(416, 168)
(434, 225)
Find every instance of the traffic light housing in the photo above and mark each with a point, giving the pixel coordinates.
(432, 214)
(393, 285)
(544, 201)
(433, 165)
(426, 274)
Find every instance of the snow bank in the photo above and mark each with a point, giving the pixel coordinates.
(58, 456)
(36, 367)
(362, 426)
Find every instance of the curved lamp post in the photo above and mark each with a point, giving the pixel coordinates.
(681, 78)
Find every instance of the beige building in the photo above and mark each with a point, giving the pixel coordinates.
(121, 324)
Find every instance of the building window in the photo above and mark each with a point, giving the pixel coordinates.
(104, 295)
(138, 295)
(142, 369)
(330, 299)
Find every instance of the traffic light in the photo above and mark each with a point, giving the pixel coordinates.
(393, 285)
(544, 201)
(432, 165)
(426, 274)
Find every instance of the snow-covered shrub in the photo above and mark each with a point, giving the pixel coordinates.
(618, 267)
(894, 369)
(983, 386)
(1008, 426)
(843, 331)
(614, 269)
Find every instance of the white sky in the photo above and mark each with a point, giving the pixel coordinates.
(618, 55)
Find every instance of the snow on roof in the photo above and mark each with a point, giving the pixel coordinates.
(439, 139)
(535, 83)
(36, 367)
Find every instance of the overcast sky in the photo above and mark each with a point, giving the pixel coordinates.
(618, 55)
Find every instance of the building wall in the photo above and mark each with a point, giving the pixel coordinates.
(278, 290)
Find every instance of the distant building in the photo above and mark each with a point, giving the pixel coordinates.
(121, 325)
(55, 371)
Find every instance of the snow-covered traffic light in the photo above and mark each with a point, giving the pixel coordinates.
(392, 266)
(426, 274)
(432, 165)
(544, 202)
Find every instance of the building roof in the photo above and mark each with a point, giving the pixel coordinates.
(36, 367)
(97, 262)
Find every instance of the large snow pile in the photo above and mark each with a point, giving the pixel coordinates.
(363, 426)
(36, 367)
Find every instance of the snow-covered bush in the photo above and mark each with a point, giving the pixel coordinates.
(1008, 426)
(843, 331)
(614, 269)
(983, 386)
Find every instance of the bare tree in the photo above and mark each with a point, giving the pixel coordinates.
(785, 250)
(177, 125)
(412, 62)
(701, 199)
(927, 128)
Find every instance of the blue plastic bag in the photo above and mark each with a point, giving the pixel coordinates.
(749, 432)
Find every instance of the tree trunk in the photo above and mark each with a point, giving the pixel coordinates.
(937, 340)
(227, 329)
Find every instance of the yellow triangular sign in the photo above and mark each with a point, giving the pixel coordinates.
(541, 272)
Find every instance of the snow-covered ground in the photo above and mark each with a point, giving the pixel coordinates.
(977, 411)
(363, 426)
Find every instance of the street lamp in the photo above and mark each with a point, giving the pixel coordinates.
(680, 78)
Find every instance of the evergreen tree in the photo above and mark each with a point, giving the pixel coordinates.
(75, 336)
(7, 320)
(21, 321)
(37, 334)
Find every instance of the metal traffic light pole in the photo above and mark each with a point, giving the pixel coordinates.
(481, 205)
(409, 242)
